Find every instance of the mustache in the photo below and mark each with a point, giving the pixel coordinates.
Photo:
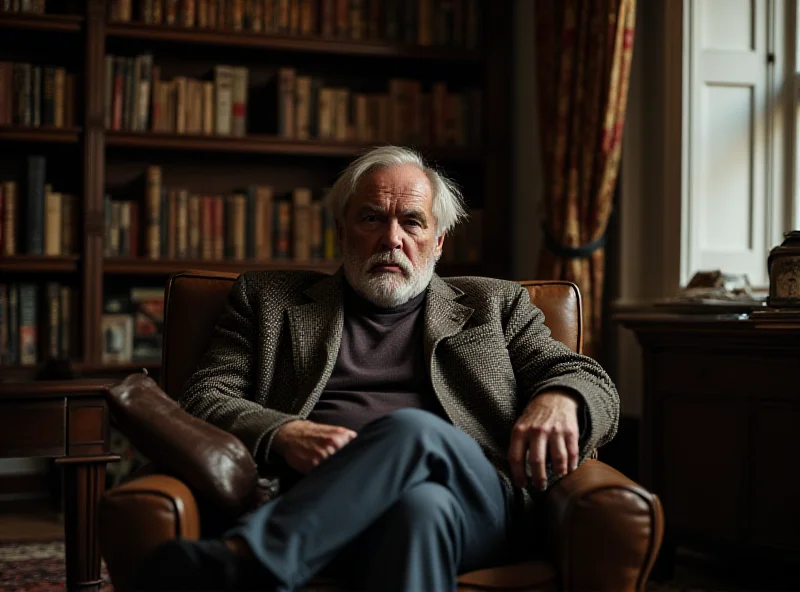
(390, 257)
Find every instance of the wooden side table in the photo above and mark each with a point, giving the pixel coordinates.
(719, 429)
(67, 421)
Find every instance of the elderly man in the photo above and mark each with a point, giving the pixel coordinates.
(416, 418)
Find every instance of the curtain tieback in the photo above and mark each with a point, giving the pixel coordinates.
(581, 252)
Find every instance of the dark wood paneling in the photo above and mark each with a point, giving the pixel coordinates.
(720, 416)
(39, 263)
(87, 427)
(775, 508)
(32, 428)
(41, 22)
(294, 44)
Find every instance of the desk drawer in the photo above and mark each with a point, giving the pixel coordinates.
(32, 428)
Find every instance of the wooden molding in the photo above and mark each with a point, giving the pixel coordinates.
(38, 263)
(267, 144)
(290, 43)
(41, 22)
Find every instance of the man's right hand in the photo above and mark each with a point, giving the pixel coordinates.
(305, 444)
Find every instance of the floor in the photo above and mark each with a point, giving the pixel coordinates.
(41, 521)
(29, 520)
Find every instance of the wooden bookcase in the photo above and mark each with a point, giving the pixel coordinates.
(88, 158)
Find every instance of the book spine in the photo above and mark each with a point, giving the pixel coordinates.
(13, 325)
(53, 224)
(28, 341)
(35, 198)
(65, 309)
(301, 217)
(10, 218)
(239, 103)
(283, 229)
(223, 84)
(53, 339)
(219, 228)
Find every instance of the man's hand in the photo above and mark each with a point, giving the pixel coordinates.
(304, 444)
(548, 424)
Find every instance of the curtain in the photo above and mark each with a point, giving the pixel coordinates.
(584, 50)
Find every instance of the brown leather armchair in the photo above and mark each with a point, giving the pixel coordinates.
(601, 531)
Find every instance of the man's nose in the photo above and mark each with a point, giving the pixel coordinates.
(392, 237)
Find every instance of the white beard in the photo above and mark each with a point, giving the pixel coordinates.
(385, 288)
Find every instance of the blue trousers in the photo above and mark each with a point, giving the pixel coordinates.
(407, 505)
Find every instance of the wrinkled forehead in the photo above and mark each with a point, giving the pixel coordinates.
(402, 186)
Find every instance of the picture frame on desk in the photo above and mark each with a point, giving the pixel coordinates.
(117, 330)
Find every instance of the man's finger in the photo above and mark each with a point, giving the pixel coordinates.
(558, 453)
(516, 457)
(537, 458)
(573, 452)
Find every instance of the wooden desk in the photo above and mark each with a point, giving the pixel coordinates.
(720, 430)
(68, 421)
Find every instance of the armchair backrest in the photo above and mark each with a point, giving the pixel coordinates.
(194, 301)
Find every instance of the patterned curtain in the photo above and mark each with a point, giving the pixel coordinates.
(584, 50)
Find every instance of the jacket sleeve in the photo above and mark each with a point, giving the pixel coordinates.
(221, 389)
(542, 363)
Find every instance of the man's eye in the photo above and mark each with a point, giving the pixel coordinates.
(414, 223)
(370, 218)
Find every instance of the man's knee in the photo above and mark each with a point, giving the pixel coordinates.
(426, 510)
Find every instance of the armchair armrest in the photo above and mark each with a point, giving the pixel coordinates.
(137, 516)
(214, 463)
(605, 529)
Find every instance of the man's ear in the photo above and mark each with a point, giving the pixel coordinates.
(439, 245)
(339, 236)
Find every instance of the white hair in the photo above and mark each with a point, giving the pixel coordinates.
(448, 203)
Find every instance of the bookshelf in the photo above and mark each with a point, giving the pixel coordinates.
(93, 160)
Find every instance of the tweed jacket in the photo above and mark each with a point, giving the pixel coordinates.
(487, 350)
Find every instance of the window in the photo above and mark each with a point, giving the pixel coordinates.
(741, 100)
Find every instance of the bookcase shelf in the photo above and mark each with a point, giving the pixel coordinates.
(101, 167)
(151, 267)
(43, 134)
(39, 263)
(264, 144)
(41, 22)
(296, 44)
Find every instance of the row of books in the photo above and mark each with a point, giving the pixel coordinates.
(132, 325)
(34, 95)
(252, 224)
(405, 114)
(136, 99)
(35, 322)
(290, 105)
(35, 219)
(449, 23)
(30, 6)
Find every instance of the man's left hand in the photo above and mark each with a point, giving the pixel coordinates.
(549, 424)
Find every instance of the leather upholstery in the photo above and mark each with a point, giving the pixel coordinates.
(604, 529)
(215, 463)
(560, 302)
(193, 303)
(137, 516)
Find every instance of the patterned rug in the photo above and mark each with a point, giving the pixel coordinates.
(36, 566)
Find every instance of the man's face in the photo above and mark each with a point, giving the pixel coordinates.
(388, 235)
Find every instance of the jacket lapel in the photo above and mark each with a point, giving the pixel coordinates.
(443, 315)
(316, 334)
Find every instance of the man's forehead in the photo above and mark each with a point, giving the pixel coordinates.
(406, 187)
